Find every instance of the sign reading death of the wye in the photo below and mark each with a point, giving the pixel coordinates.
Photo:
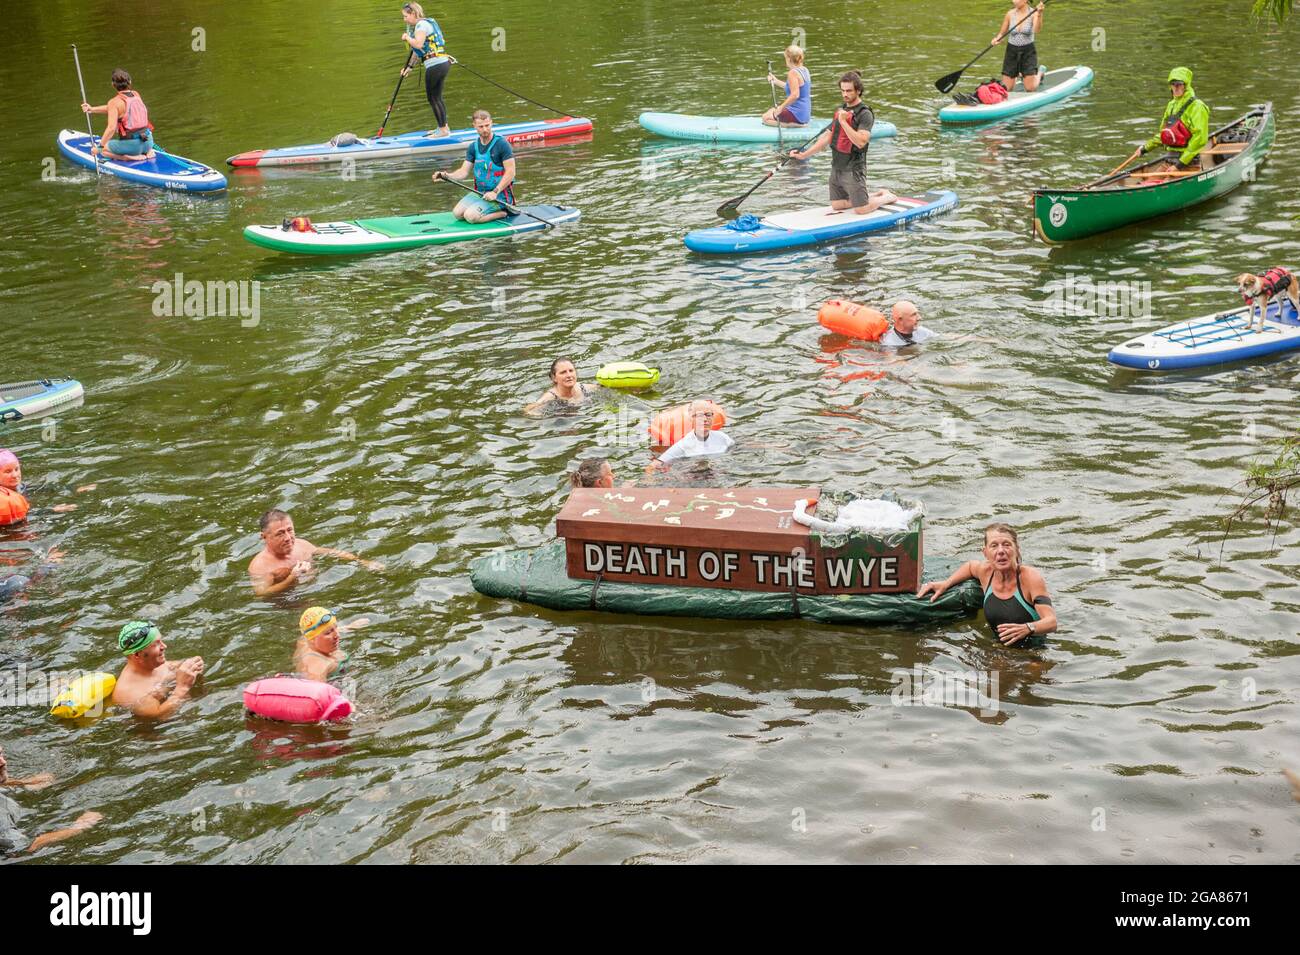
(732, 538)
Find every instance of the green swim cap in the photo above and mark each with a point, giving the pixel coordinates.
(137, 635)
(1181, 74)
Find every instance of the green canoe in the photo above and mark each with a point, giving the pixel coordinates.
(1231, 157)
(538, 577)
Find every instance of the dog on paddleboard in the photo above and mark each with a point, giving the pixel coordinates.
(1261, 290)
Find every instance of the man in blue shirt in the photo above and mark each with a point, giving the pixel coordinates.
(492, 162)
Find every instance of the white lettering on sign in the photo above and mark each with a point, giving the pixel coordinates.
(889, 571)
(633, 559)
(760, 566)
(840, 572)
(709, 564)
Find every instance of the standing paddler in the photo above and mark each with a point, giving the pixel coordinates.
(424, 38)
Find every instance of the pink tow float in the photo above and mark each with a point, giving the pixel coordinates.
(292, 700)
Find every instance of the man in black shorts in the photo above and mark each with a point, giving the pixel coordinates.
(849, 137)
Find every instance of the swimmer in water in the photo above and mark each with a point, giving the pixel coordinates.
(701, 441)
(12, 839)
(14, 503)
(592, 472)
(1017, 605)
(285, 558)
(318, 656)
(564, 387)
(151, 686)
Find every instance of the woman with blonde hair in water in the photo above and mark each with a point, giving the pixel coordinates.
(1016, 602)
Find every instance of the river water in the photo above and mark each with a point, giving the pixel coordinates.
(380, 400)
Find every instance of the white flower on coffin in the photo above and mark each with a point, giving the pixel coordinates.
(672, 519)
(725, 513)
(591, 513)
(654, 505)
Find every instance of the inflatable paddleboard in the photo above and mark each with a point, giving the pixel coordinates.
(1211, 340)
(1054, 86)
(790, 230)
(164, 171)
(399, 232)
(412, 144)
(742, 129)
(25, 399)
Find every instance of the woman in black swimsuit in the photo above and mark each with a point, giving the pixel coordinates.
(564, 386)
(1016, 602)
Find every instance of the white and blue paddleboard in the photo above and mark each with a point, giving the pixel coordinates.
(412, 144)
(1211, 340)
(164, 171)
(742, 129)
(1053, 86)
(790, 230)
(25, 399)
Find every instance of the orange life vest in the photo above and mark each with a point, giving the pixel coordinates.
(13, 506)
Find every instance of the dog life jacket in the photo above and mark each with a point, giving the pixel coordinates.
(135, 117)
(1271, 283)
(1176, 132)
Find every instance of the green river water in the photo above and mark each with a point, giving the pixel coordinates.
(379, 399)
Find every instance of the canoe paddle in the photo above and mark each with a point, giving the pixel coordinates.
(731, 205)
(89, 129)
(513, 210)
(947, 83)
(400, 76)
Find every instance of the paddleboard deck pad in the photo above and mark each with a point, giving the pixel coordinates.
(25, 399)
(790, 230)
(399, 232)
(1211, 340)
(742, 129)
(412, 144)
(164, 171)
(539, 577)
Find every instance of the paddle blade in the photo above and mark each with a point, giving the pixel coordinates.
(949, 82)
(731, 208)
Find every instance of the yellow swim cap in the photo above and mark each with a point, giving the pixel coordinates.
(314, 620)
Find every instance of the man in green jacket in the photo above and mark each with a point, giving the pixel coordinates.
(1186, 123)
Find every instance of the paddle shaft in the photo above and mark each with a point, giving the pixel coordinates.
(945, 84)
(89, 129)
(513, 210)
(389, 112)
(735, 203)
(780, 143)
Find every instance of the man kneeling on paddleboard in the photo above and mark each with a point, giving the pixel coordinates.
(129, 135)
(849, 136)
(492, 161)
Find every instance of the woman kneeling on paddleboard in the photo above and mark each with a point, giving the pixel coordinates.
(796, 108)
(129, 135)
(424, 37)
(492, 162)
(1016, 603)
(1019, 28)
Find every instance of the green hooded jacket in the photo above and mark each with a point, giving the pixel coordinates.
(1196, 118)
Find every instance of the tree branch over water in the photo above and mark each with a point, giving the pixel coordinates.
(1279, 10)
(1269, 483)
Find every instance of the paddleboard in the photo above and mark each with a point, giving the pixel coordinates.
(23, 399)
(164, 171)
(412, 144)
(1054, 85)
(742, 129)
(398, 232)
(807, 227)
(1211, 340)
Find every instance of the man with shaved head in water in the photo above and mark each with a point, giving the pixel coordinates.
(285, 558)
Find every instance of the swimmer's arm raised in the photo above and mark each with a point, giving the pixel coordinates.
(264, 585)
(160, 704)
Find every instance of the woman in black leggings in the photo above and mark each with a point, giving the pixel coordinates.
(424, 38)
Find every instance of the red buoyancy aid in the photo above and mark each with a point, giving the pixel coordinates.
(1176, 132)
(13, 506)
(135, 117)
(1272, 283)
(991, 92)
